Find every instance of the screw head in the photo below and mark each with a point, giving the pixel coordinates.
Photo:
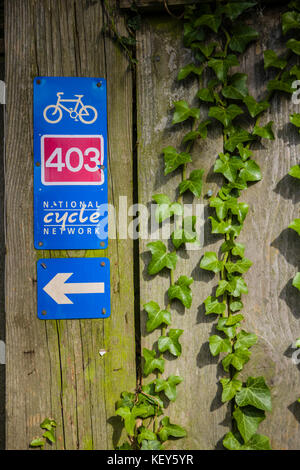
(99, 84)
(102, 244)
(44, 312)
(103, 311)
(40, 243)
(102, 263)
(38, 82)
(37, 164)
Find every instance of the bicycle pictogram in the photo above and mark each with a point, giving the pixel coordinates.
(54, 112)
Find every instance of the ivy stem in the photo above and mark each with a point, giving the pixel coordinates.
(228, 38)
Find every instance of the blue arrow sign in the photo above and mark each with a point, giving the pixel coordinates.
(70, 163)
(73, 288)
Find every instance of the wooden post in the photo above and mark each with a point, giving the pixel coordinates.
(54, 367)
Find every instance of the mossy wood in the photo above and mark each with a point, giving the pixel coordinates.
(54, 368)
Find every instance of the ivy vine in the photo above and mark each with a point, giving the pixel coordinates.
(217, 35)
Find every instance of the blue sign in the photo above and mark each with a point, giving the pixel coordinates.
(73, 288)
(70, 163)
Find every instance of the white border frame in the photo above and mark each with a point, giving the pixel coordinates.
(69, 183)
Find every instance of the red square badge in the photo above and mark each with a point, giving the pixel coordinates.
(72, 159)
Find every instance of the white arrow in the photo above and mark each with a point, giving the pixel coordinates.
(57, 288)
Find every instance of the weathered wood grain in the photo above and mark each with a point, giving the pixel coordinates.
(272, 306)
(160, 55)
(54, 368)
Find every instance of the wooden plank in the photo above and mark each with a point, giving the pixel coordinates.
(153, 5)
(54, 368)
(160, 54)
(272, 306)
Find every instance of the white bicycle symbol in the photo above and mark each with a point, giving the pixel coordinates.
(53, 113)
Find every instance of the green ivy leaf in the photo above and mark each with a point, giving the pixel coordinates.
(234, 9)
(237, 286)
(248, 419)
(212, 305)
(127, 400)
(238, 249)
(228, 166)
(294, 4)
(224, 227)
(295, 71)
(193, 183)
(225, 325)
(294, 45)
(241, 266)
(256, 393)
(160, 258)
(206, 94)
(255, 107)
(242, 36)
(231, 442)
(152, 362)
(165, 208)
(281, 85)
(129, 419)
(211, 21)
(152, 397)
(295, 171)
(184, 112)
(210, 262)
(265, 131)
(190, 34)
(168, 386)
(290, 20)
(236, 306)
(296, 281)
(143, 410)
(146, 434)
(250, 172)
(239, 209)
(237, 88)
(234, 319)
(295, 119)
(237, 359)
(38, 442)
(49, 434)
(245, 340)
(173, 159)
(236, 137)
(48, 424)
(225, 115)
(156, 316)
(207, 48)
(230, 388)
(170, 342)
(188, 69)
(168, 429)
(295, 225)
(151, 445)
(222, 66)
(181, 290)
(257, 442)
(271, 59)
(186, 233)
(218, 345)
